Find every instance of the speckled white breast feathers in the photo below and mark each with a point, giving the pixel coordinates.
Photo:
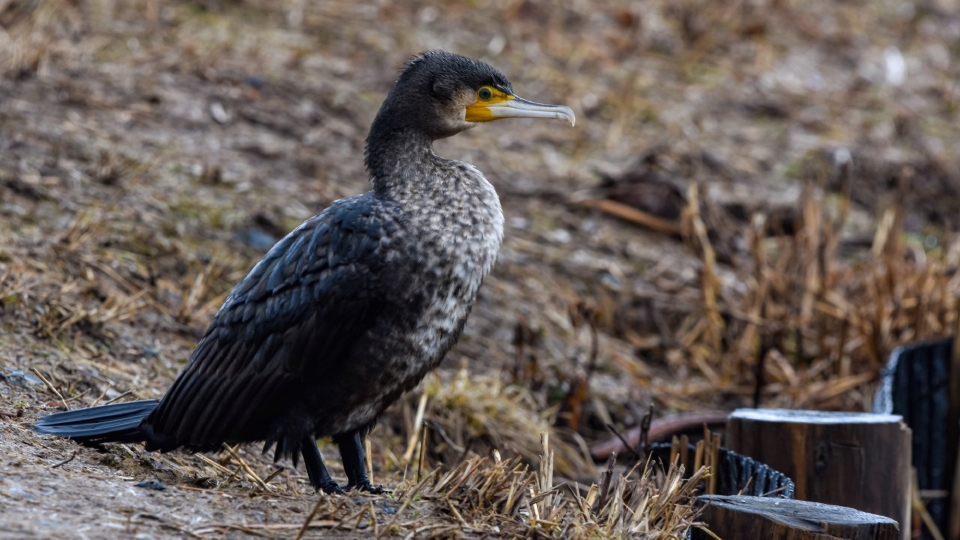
(463, 246)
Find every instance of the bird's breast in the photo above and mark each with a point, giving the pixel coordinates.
(459, 242)
(449, 244)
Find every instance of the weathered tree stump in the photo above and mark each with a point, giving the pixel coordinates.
(737, 517)
(857, 460)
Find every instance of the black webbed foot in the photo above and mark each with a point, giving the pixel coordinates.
(351, 452)
(368, 488)
(319, 476)
(332, 489)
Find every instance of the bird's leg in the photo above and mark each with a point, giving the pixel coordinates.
(316, 470)
(351, 453)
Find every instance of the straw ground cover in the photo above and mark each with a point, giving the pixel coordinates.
(150, 151)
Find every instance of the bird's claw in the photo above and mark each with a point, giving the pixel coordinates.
(331, 488)
(367, 487)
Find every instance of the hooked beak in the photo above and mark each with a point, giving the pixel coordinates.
(510, 106)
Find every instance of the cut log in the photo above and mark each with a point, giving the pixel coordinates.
(736, 517)
(857, 460)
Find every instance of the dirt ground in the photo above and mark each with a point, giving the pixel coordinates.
(152, 150)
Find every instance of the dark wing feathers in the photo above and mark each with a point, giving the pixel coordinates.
(291, 320)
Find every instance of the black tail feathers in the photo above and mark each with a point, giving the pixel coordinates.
(118, 422)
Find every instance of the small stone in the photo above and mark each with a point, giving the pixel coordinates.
(20, 378)
(153, 484)
(219, 113)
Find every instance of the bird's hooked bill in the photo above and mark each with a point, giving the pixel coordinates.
(507, 105)
(521, 108)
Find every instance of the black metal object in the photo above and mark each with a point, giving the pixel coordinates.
(915, 386)
(738, 474)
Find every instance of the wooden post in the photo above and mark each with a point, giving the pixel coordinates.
(736, 516)
(857, 460)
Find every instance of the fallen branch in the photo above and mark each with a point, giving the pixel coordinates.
(660, 429)
(632, 215)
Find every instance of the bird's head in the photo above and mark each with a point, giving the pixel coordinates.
(441, 94)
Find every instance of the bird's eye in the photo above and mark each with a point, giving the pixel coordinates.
(485, 93)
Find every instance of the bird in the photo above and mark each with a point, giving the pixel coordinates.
(353, 307)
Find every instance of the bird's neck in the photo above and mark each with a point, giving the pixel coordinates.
(404, 169)
(395, 156)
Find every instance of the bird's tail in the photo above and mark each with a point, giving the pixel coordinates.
(117, 422)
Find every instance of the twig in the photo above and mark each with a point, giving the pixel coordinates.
(78, 396)
(423, 448)
(644, 432)
(456, 514)
(916, 503)
(546, 470)
(125, 394)
(417, 424)
(626, 445)
(605, 478)
(373, 519)
(204, 490)
(363, 510)
(52, 389)
(216, 465)
(64, 462)
(310, 516)
(706, 531)
(714, 462)
(273, 475)
(105, 390)
(246, 468)
(632, 214)
(368, 455)
(354, 517)
(409, 498)
(774, 491)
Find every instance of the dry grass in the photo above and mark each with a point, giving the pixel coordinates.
(488, 496)
(469, 414)
(820, 321)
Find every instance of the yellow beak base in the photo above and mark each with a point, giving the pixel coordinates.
(502, 105)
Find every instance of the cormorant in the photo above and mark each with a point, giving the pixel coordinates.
(353, 307)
